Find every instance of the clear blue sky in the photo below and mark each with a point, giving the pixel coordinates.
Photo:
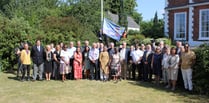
(149, 7)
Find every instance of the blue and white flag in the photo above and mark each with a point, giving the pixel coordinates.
(112, 30)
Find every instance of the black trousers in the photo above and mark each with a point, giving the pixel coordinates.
(180, 81)
(56, 73)
(137, 67)
(94, 67)
(71, 74)
(147, 72)
(26, 68)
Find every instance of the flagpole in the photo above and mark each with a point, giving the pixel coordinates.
(102, 12)
(102, 20)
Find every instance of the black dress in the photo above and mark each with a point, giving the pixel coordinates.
(48, 62)
(157, 64)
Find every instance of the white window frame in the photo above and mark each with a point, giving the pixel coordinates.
(175, 38)
(200, 25)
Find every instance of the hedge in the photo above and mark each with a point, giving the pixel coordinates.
(201, 70)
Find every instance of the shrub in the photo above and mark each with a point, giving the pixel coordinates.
(166, 40)
(12, 32)
(201, 70)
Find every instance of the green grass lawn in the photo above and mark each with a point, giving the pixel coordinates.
(85, 91)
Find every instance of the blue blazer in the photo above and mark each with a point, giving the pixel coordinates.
(38, 57)
(149, 58)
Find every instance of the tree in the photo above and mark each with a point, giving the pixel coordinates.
(137, 17)
(88, 13)
(155, 20)
(114, 6)
(65, 29)
(122, 15)
(153, 28)
(32, 10)
(3, 3)
(12, 32)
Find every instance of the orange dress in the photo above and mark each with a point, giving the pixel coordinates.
(77, 64)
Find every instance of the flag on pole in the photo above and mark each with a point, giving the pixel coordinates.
(112, 30)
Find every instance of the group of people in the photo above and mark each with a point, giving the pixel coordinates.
(101, 62)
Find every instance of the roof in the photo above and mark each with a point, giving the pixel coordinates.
(115, 19)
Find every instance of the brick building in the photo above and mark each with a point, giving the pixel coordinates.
(187, 21)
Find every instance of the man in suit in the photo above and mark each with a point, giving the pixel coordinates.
(111, 49)
(178, 51)
(124, 60)
(130, 61)
(38, 54)
(146, 59)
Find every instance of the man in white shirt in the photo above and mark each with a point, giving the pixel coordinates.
(137, 57)
(93, 57)
(71, 51)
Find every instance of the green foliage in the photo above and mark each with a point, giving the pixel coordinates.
(153, 28)
(11, 33)
(147, 41)
(88, 13)
(166, 40)
(114, 6)
(201, 70)
(65, 29)
(137, 17)
(134, 37)
(128, 9)
(133, 32)
(32, 10)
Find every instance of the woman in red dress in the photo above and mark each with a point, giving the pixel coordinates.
(77, 63)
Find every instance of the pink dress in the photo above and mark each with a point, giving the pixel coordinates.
(77, 66)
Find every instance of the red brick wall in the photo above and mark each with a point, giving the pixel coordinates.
(171, 21)
(196, 20)
(177, 2)
(196, 1)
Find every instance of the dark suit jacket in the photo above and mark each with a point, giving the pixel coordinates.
(38, 57)
(149, 58)
(178, 51)
(129, 55)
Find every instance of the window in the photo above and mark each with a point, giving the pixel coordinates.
(204, 24)
(180, 26)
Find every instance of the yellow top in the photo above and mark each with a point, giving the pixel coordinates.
(187, 59)
(25, 57)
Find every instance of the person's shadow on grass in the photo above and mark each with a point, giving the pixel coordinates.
(179, 92)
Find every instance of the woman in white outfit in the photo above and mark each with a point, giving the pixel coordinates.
(173, 67)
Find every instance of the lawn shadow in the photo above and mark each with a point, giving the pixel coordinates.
(10, 71)
(14, 78)
(179, 92)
